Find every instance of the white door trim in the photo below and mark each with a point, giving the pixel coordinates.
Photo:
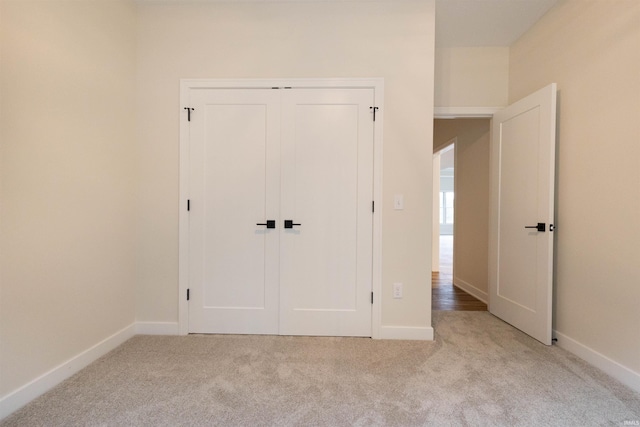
(377, 84)
(465, 112)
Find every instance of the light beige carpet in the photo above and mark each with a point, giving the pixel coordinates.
(479, 371)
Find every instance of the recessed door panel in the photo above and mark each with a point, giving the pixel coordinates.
(519, 193)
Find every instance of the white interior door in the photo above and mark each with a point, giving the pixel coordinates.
(303, 155)
(234, 185)
(327, 188)
(522, 197)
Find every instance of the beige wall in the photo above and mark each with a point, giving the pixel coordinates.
(68, 181)
(388, 39)
(471, 76)
(592, 50)
(471, 222)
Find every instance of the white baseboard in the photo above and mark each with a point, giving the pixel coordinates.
(406, 333)
(157, 328)
(471, 290)
(621, 373)
(45, 382)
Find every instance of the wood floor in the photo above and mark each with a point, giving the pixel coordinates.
(445, 296)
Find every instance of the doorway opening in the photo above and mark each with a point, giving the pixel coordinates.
(519, 262)
(446, 208)
(461, 214)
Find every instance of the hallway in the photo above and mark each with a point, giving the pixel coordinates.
(445, 296)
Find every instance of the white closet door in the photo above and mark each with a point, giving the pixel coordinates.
(233, 186)
(327, 188)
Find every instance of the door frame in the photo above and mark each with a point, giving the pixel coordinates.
(377, 84)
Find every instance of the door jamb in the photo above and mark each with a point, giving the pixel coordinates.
(377, 84)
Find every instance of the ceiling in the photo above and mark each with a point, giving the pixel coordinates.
(486, 22)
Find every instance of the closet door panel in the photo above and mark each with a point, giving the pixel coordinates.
(234, 186)
(327, 182)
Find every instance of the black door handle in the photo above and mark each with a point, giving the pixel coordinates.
(540, 227)
(271, 223)
(288, 223)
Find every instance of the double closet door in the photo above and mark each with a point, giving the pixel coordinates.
(280, 220)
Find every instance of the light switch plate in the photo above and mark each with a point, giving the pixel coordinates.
(398, 202)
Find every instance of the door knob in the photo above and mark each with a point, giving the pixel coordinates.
(540, 227)
(271, 223)
(288, 223)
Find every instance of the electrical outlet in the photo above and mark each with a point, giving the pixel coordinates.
(397, 290)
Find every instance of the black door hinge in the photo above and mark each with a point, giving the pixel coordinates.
(373, 206)
(371, 297)
(374, 109)
(189, 110)
(187, 294)
(188, 205)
